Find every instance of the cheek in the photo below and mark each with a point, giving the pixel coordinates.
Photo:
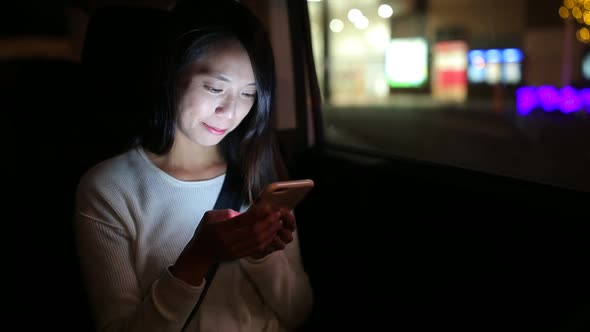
(244, 109)
(188, 117)
(195, 110)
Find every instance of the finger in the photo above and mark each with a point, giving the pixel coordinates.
(252, 215)
(259, 230)
(243, 220)
(288, 219)
(265, 236)
(278, 244)
(262, 209)
(285, 236)
(252, 248)
(269, 221)
(260, 239)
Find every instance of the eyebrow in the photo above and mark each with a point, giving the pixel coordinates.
(225, 79)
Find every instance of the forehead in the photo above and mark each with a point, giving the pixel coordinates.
(225, 56)
(224, 46)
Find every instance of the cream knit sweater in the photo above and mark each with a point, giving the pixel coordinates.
(132, 221)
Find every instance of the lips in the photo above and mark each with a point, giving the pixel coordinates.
(214, 130)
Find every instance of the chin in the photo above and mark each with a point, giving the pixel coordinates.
(210, 141)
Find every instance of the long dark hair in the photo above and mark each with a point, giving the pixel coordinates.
(250, 149)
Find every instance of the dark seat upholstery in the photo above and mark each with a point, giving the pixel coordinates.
(74, 114)
(121, 48)
(40, 96)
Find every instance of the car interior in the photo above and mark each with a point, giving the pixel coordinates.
(390, 241)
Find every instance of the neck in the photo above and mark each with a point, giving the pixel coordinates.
(190, 162)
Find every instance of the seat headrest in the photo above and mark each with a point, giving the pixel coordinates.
(123, 38)
(121, 49)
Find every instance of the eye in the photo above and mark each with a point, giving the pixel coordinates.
(249, 95)
(213, 90)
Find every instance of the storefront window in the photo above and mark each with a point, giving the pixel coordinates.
(496, 86)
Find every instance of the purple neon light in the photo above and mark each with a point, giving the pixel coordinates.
(585, 98)
(569, 100)
(548, 97)
(526, 100)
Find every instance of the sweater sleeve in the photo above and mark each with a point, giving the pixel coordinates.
(283, 283)
(106, 254)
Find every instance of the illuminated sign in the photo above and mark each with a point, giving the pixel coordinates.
(549, 98)
(406, 62)
(495, 65)
(586, 66)
(449, 73)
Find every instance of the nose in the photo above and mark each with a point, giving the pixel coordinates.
(227, 108)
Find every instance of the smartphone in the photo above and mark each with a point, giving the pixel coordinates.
(285, 194)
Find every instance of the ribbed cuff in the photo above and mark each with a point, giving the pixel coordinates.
(174, 298)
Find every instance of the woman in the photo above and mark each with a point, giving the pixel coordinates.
(143, 259)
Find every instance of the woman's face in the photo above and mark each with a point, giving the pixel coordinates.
(216, 94)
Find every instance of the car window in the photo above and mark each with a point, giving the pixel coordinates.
(499, 86)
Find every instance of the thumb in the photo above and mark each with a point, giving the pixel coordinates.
(220, 215)
(253, 214)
